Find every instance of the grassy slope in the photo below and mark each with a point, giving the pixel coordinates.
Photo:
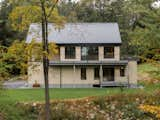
(152, 70)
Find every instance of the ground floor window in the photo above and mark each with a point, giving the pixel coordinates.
(122, 71)
(96, 73)
(83, 74)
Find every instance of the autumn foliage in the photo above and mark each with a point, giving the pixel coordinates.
(114, 107)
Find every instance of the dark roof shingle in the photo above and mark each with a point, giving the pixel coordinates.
(78, 33)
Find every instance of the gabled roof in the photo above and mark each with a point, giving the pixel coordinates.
(78, 33)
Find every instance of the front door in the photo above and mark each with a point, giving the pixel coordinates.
(108, 74)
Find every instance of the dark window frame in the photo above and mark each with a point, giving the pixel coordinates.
(96, 73)
(108, 51)
(70, 52)
(83, 73)
(91, 53)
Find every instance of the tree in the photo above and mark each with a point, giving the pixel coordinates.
(144, 22)
(7, 34)
(45, 11)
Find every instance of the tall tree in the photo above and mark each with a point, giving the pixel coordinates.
(42, 11)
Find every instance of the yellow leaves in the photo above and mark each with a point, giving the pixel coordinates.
(53, 50)
(35, 51)
(155, 110)
(21, 17)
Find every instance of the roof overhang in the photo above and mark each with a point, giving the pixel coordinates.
(89, 44)
(89, 63)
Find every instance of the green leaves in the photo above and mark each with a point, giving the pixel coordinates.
(144, 32)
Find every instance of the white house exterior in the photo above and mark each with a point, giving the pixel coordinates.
(89, 56)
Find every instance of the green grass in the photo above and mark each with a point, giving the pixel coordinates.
(19, 95)
(146, 67)
(38, 94)
(152, 70)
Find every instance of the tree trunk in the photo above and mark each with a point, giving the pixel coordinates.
(45, 60)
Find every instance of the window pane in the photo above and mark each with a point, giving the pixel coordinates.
(108, 52)
(89, 53)
(96, 73)
(83, 73)
(69, 52)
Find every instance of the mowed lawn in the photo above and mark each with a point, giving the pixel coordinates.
(63, 93)
(19, 95)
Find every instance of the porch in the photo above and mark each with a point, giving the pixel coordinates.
(114, 84)
(108, 72)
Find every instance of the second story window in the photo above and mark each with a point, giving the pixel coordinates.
(108, 52)
(70, 52)
(89, 53)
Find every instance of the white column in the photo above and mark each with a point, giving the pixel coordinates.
(101, 74)
(74, 75)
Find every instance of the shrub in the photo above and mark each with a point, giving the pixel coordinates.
(154, 111)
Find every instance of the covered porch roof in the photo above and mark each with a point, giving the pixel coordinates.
(88, 63)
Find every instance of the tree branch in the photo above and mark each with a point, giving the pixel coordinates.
(53, 6)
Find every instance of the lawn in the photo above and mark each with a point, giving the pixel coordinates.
(153, 71)
(19, 95)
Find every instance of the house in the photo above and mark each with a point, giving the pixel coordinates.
(89, 55)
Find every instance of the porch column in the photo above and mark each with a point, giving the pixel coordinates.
(74, 75)
(60, 77)
(101, 74)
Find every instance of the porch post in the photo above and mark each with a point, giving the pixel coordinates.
(74, 77)
(127, 67)
(60, 77)
(101, 75)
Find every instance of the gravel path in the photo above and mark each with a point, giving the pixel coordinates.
(15, 84)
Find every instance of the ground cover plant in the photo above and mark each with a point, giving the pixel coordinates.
(113, 107)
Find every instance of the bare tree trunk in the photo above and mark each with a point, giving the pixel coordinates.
(45, 60)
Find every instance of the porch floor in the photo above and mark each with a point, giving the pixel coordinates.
(113, 84)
